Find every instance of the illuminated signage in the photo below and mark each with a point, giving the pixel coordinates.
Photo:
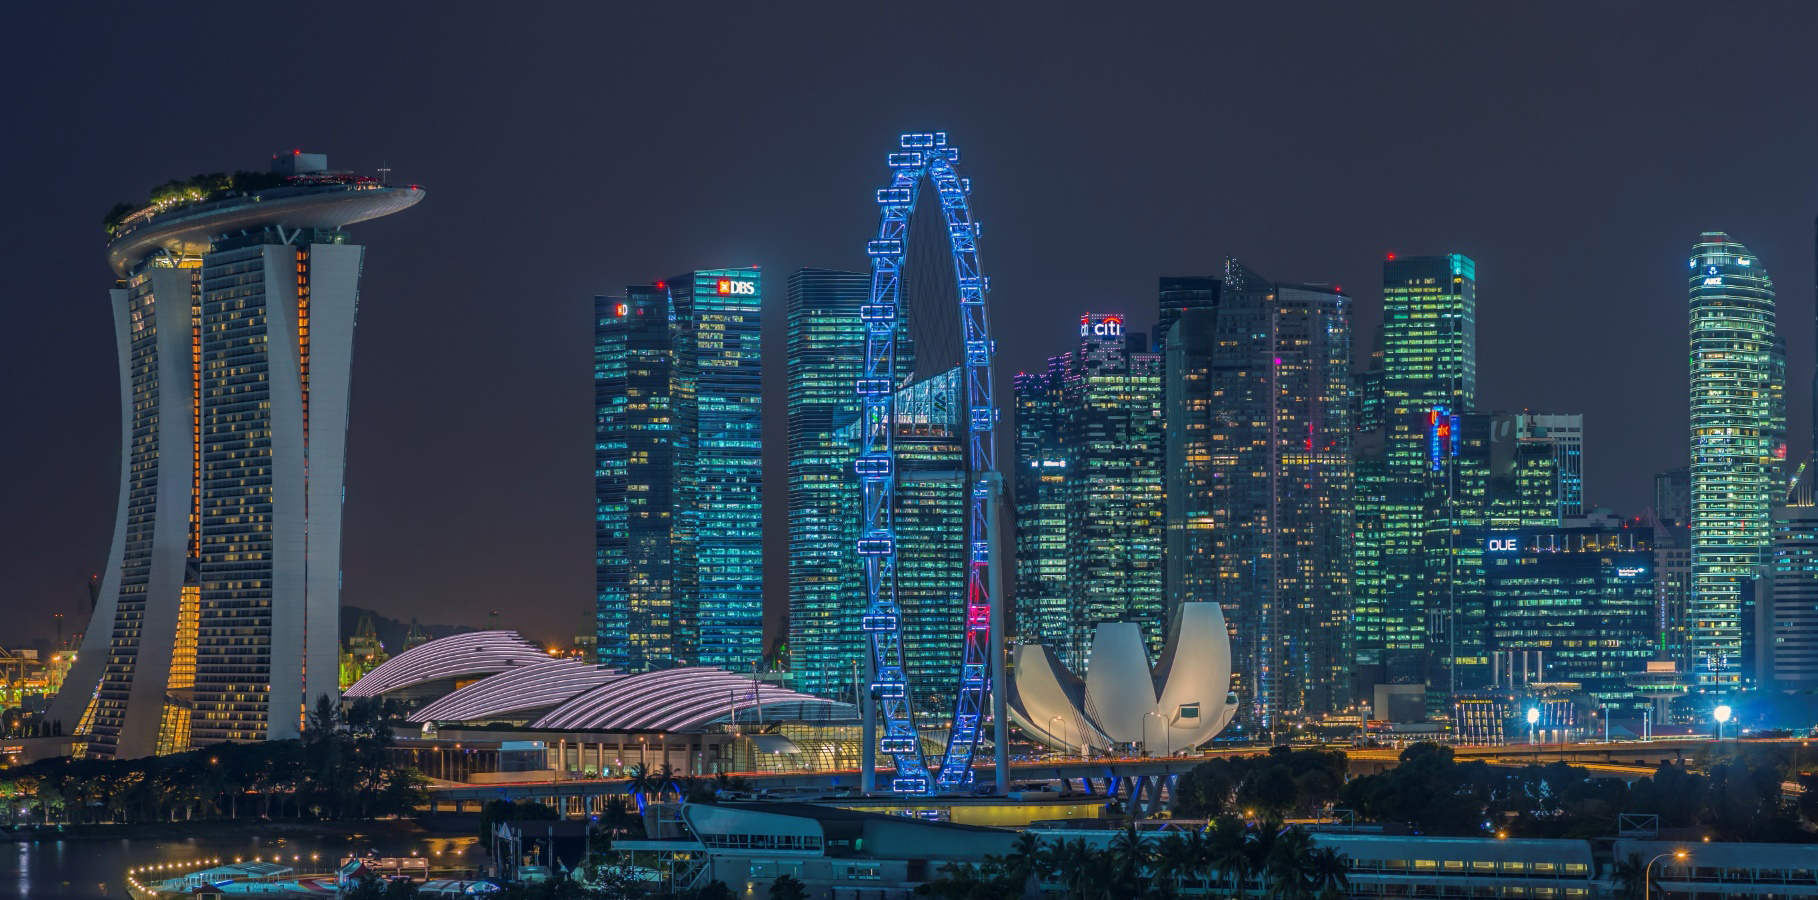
(621, 309)
(1711, 281)
(1108, 326)
(1502, 545)
(1442, 431)
(738, 288)
(1629, 571)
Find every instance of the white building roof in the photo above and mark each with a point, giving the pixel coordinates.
(474, 653)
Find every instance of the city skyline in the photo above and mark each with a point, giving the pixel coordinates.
(500, 347)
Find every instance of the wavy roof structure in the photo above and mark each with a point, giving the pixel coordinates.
(519, 691)
(462, 655)
(685, 700)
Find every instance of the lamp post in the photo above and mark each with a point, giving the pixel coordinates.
(1065, 747)
(1646, 872)
(1533, 719)
(1722, 714)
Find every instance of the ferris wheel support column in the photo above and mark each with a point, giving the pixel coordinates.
(1000, 708)
(868, 737)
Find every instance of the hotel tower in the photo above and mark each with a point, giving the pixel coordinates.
(233, 315)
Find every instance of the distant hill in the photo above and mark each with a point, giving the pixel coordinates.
(391, 631)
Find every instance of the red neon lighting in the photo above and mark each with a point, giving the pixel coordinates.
(621, 309)
(725, 286)
(1391, 256)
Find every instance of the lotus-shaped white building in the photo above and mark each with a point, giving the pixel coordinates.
(1183, 702)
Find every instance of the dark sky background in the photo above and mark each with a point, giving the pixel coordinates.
(1574, 150)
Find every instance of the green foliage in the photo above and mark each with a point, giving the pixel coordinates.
(788, 887)
(337, 770)
(1740, 797)
(180, 192)
(1283, 783)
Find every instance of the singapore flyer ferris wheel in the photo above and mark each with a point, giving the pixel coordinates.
(926, 159)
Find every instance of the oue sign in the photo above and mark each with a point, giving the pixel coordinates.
(1502, 545)
(1109, 326)
(738, 288)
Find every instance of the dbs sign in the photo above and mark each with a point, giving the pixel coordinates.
(732, 288)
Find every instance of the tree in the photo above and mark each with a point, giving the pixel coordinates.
(788, 887)
(1329, 873)
(1228, 853)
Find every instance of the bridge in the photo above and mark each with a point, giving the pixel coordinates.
(1144, 784)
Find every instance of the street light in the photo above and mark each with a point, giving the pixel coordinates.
(1646, 871)
(1723, 715)
(1065, 747)
(1533, 719)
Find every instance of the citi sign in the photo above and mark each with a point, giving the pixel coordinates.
(738, 288)
(1109, 326)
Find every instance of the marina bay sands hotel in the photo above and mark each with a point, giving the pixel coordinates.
(234, 317)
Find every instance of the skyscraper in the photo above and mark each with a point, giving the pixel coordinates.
(1738, 419)
(930, 528)
(1190, 530)
(1428, 357)
(700, 371)
(1582, 595)
(1792, 641)
(219, 611)
(1090, 541)
(1260, 436)
(826, 352)
(634, 485)
(1176, 295)
(1673, 495)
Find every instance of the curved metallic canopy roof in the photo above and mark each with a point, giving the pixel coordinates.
(520, 690)
(192, 229)
(687, 700)
(468, 654)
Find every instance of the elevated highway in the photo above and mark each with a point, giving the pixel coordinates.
(1144, 783)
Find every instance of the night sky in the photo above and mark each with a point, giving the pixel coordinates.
(1574, 150)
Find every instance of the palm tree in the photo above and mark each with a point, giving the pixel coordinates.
(639, 782)
(1129, 856)
(1024, 860)
(1329, 872)
(1287, 865)
(1072, 862)
(1631, 878)
(1175, 859)
(1228, 853)
(668, 779)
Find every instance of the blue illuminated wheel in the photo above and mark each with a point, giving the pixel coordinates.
(925, 159)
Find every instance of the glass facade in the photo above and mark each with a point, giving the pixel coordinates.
(1583, 597)
(1090, 541)
(826, 590)
(1792, 642)
(634, 496)
(1427, 353)
(1270, 448)
(1738, 424)
(699, 376)
(930, 527)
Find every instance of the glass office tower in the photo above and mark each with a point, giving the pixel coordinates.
(218, 614)
(1090, 540)
(1265, 431)
(710, 395)
(1428, 361)
(1582, 596)
(634, 488)
(1738, 418)
(826, 356)
(930, 527)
